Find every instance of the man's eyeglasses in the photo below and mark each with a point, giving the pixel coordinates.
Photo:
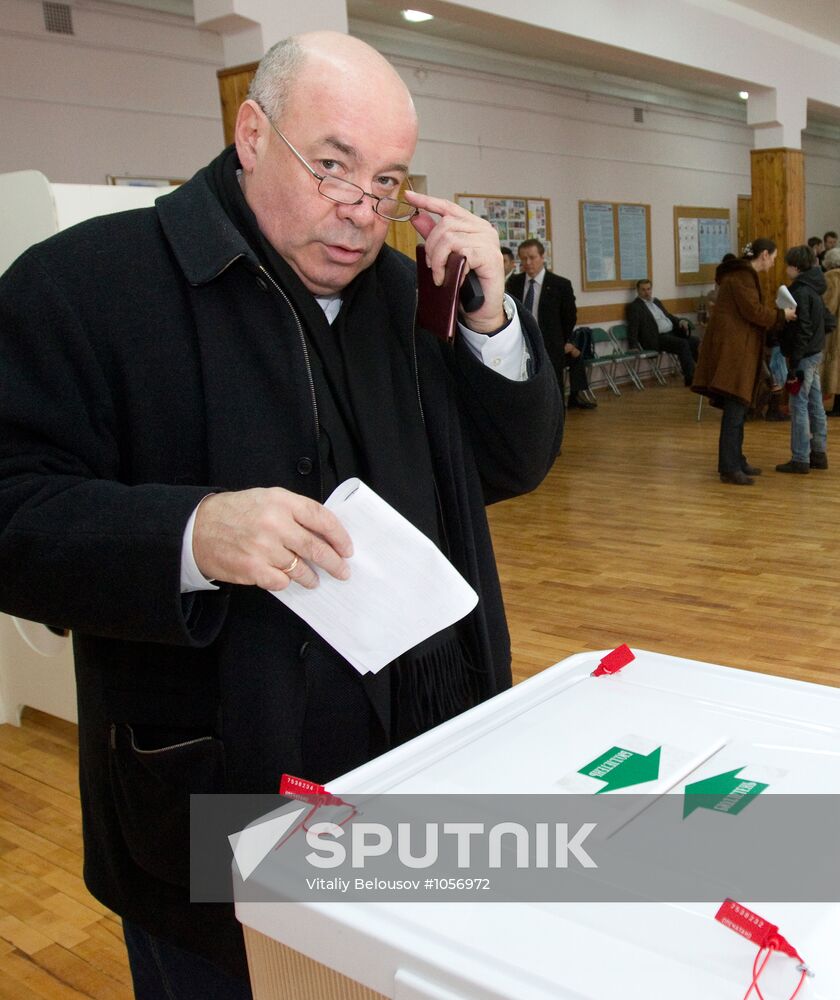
(346, 193)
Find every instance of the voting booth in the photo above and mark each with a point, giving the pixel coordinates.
(563, 731)
(36, 669)
(32, 208)
(36, 664)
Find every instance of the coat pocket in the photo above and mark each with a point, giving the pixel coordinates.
(153, 772)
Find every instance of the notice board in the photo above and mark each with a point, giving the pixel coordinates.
(701, 237)
(515, 217)
(614, 244)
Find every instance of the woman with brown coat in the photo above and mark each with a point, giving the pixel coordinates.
(830, 374)
(732, 352)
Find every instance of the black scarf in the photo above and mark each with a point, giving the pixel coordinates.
(371, 426)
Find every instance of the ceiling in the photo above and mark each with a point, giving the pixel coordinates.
(817, 17)
(532, 43)
(455, 25)
(458, 25)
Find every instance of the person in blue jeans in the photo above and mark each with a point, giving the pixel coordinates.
(802, 343)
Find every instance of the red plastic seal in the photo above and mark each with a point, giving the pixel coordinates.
(614, 661)
(746, 923)
(299, 787)
(766, 937)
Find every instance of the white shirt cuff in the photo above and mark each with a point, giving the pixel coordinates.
(504, 352)
(191, 577)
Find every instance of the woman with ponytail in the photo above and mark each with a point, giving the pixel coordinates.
(732, 352)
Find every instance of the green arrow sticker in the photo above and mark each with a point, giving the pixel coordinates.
(726, 793)
(619, 768)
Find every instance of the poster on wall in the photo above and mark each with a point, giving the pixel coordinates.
(701, 238)
(599, 241)
(689, 240)
(715, 240)
(615, 244)
(515, 218)
(633, 242)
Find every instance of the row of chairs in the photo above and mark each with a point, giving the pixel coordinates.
(621, 360)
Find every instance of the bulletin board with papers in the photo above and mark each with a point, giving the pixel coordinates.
(614, 244)
(515, 218)
(701, 237)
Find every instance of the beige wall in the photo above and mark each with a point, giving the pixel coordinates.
(131, 92)
(134, 92)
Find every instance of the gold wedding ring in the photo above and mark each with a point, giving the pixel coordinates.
(288, 569)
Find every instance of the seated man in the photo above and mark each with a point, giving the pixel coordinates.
(651, 326)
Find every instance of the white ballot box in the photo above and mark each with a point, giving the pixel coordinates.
(662, 726)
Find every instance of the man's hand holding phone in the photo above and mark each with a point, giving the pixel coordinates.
(459, 231)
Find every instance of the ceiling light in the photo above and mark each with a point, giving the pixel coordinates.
(743, 94)
(416, 16)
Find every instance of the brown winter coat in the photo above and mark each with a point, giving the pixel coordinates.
(732, 351)
(830, 375)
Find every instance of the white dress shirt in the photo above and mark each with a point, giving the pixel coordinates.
(662, 321)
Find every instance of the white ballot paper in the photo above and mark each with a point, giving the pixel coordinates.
(401, 590)
(784, 300)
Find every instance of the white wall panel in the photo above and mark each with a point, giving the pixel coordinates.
(547, 143)
(134, 92)
(131, 92)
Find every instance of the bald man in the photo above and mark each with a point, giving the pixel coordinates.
(184, 388)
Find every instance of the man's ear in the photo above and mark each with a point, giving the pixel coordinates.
(249, 132)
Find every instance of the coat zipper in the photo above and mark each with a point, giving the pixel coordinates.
(308, 370)
(136, 749)
(441, 521)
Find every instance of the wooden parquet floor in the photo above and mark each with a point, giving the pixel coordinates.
(56, 941)
(632, 538)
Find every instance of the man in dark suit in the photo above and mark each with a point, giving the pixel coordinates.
(508, 261)
(651, 326)
(829, 242)
(551, 299)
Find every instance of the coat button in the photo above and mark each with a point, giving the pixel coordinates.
(262, 283)
(304, 466)
(302, 650)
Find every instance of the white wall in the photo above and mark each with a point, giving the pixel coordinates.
(488, 135)
(822, 185)
(135, 93)
(130, 93)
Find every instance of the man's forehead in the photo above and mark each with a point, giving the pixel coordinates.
(361, 108)
(353, 152)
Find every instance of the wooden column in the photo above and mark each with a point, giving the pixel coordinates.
(778, 204)
(233, 89)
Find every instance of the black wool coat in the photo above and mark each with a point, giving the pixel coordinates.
(145, 361)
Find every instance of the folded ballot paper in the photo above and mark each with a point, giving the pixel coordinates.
(401, 588)
(784, 300)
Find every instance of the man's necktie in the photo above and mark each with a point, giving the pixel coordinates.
(529, 296)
